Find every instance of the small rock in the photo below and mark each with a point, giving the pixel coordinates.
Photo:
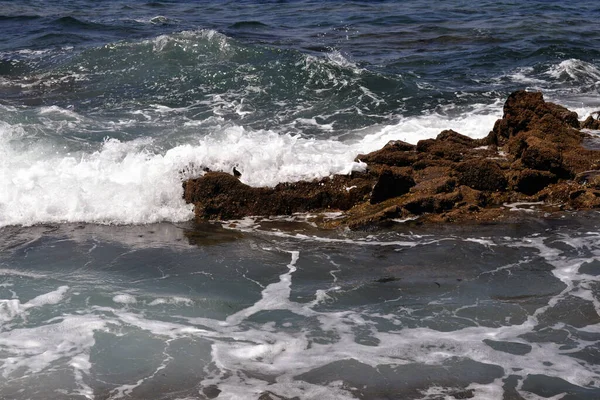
(395, 153)
(590, 123)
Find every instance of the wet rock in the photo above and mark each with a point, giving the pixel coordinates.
(390, 185)
(424, 145)
(446, 186)
(211, 391)
(448, 145)
(577, 159)
(421, 205)
(433, 204)
(268, 395)
(395, 153)
(584, 199)
(591, 122)
(463, 394)
(530, 181)
(219, 195)
(589, 178)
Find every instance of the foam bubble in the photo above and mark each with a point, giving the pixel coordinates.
(188, 40)
(28, 351)
(9, 309)
(171, 300)
(476, 124)
(249, 356)
(48, 298)
(124, 299)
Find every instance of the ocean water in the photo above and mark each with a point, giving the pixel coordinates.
(108, 290)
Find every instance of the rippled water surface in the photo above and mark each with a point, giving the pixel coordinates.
(272, 309)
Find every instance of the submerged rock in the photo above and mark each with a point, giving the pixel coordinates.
(533, 154)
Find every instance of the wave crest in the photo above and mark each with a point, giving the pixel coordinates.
(576, 71)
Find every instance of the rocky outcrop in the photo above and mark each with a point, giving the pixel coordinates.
(219, 195)
(535, 153)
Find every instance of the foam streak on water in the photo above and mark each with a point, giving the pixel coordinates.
(308, 326)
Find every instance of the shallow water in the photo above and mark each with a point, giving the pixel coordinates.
(166, 311)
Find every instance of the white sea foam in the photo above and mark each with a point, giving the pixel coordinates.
(339, 59)
(119, 184)
(48, 298)
(524, 75)
(571, 83)
(124, 299)
(127, 183)
(172, 300)
(189, 39)
(11, 308)
(475, 124)
(260, 350)
(576, 70)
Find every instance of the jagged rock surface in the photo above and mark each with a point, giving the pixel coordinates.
(534, 153)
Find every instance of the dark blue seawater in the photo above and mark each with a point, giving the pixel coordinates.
(108, 291)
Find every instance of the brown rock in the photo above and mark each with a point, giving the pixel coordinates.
(530, 181)
(584, 199)
(218, 195)
(432, 204)
(591, 122)
(390, 185)
(450, 136)
(589, 179)
(446, 186)
(394, 153)
(424, 145)
(481, 174)
(449, 145)
(542, 155)
(537, 145)
(577, 159)
(523, 112)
